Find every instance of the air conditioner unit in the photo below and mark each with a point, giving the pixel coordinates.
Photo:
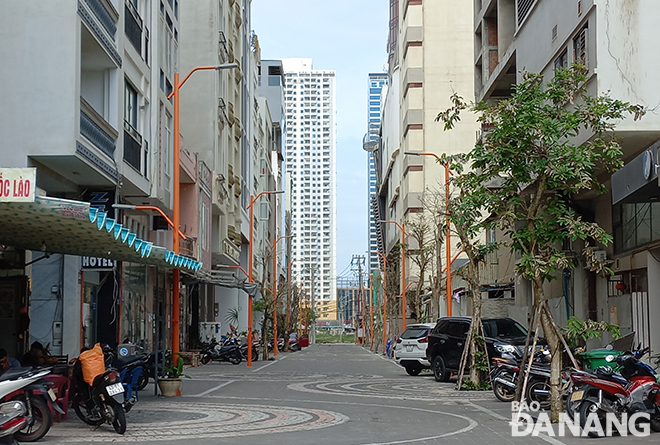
(599, 255)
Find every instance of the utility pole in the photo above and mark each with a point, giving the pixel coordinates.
(359, 315)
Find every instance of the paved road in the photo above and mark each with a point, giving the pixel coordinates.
(324, 394)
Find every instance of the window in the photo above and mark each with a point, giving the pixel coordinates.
(562, 60)
(580, 47)
(130, 105)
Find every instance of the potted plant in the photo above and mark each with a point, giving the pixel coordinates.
(173, 369)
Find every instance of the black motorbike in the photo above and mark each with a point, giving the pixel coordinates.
(255, 351)
(229, 351)
(101, 402)
(505, 372)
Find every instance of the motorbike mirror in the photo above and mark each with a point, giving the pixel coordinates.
(609, 358)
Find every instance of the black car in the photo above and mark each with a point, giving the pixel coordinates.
(447, 341)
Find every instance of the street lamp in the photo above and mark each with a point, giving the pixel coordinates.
(384, 299)
(175, 194)
(275, 294)
(445, 164)
(288, 294)
(403, 266)
(250, 206)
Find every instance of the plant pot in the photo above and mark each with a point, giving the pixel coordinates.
(169, 387)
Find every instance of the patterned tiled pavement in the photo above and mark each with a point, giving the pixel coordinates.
(325, 394)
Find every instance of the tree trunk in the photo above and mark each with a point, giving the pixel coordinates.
(475, 374)
(555, 349)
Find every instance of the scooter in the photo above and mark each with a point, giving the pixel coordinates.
(12, 419)
(229, 351)
(27, 385)
(101, 402)
(601, 396)
(506, 369)
(255, 351)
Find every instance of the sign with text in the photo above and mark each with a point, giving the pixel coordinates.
(93, 263)
(17, 184)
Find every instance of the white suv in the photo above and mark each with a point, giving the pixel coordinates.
(410, 348)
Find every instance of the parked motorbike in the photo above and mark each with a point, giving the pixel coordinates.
(506, 369)
(101, 402)
(12, 419)
(27, 385)
(293, 344)
(600, 394)
(255, 351)
(229, 351)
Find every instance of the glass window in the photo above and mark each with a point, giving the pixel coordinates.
(503, 328)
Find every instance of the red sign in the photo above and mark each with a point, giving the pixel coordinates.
(17, 184)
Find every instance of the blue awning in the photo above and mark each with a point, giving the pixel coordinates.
(56, 225)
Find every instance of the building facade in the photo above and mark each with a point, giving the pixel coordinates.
(310, 155)
(608, 38)
(375, 87)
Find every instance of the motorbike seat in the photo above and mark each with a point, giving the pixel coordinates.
(13, 373)
(123, 361)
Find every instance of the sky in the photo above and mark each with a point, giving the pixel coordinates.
(349, 37)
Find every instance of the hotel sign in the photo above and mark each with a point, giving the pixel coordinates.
(17, 184)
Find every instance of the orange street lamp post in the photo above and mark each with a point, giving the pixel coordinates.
(175, 195)
(288, 293)
(447, 230)
(384, 299)
(250, 206)
(275, 293)
(403, 266)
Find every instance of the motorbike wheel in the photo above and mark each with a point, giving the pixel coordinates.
(206, 358)
(89, 417)
(255, 354)
(655, 423)
(142, 382)
(503, 392)
(589, 407)
(236, 359)
(118, 416)
(533, 396)
(38, 426)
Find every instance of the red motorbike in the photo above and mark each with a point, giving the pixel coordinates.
(600, 395)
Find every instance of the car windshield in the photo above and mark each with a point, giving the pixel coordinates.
(415, 332)
(503, 328)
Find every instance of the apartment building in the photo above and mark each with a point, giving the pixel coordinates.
(430, 58)
(85, 104)
(376, 81)
(611, 39)
(310, 146)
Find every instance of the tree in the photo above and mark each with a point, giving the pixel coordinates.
(546, 144)
(420, 231)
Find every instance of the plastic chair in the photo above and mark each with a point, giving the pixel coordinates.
(130, 382)
(61, 385)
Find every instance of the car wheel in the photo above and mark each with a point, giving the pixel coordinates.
(413, 369)
(440, 370)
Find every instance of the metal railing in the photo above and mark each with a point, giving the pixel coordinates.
(96, 135)
(103, 16)
(133, 27)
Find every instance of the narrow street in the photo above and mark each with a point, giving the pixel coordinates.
(325, 394)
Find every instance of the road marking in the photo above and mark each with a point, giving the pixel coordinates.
(209, 391)
(267, 365)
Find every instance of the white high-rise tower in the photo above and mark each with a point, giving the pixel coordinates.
(311, 166)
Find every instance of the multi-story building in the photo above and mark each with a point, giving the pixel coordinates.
(103, 136)
(430, 58)
(311, 168)
(611, 40)
(375, 87)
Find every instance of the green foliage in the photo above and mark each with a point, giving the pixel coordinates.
(232, 317)
(578, 331)
(533, 159)
(173, 367)
(468, 385)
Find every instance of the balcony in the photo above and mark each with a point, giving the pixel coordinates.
(96, 130)
(105, 14)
